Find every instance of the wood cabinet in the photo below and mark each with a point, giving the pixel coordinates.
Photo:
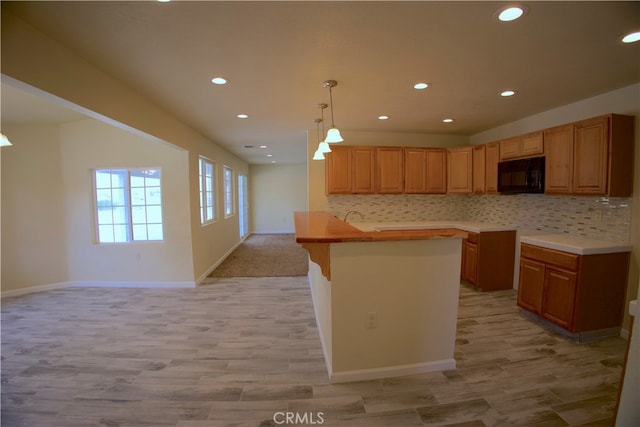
(492, 157)
(591, 157)
(389, 170)
(350, 170)
(338, 170)
(559, 160)
(579, 293)
(425, 170)
(529, 145)
(488, 258)
(460, 170)
(479, 169)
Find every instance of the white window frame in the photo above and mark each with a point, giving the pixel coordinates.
(229, 193)
(128, 222)
(207, 205)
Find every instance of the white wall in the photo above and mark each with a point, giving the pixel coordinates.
(276, 192)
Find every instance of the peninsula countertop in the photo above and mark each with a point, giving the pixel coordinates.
(321, 227)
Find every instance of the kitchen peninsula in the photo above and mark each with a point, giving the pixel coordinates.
(385, 300)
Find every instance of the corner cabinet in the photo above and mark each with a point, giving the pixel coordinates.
(460, 170)
(479, 169)
(492, 157)
(591, 157)
(581, 294)
(488, 258)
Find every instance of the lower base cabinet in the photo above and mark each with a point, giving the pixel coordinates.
(578, 293)
(488, 259)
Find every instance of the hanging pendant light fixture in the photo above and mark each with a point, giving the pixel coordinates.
(323, 146)
(333, 135)
(4, 141)
(319, 154)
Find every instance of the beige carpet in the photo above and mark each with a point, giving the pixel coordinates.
(265, 255)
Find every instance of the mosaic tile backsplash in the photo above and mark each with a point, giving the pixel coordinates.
(593, 217)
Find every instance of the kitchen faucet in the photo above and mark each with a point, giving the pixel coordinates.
(350, 212)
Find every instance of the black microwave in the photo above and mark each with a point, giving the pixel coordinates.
(521, 176)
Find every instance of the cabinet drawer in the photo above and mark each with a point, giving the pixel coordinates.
(473, 237)
(550, 256)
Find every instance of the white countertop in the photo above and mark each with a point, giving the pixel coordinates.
(474, 227)
(575, 244)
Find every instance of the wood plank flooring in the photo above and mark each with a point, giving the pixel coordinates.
(244, 352)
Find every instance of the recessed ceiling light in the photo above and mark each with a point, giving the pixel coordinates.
(243, 116)
(263, 146)
(447, 120)
(269, 155)
(273, 161)
(219, 81)
(631, 37)
(383, 117)
(511, 13)
(420, 86)
(507, 93)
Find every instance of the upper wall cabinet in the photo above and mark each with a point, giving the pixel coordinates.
(425, 170)
(350, 170)
(591, 157)
(492, 156)
(529, 145)
(389, 170)
(460, 167)
(479, 169)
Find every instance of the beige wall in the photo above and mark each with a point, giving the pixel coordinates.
(36, 61)
(276, 192)
(33, 209)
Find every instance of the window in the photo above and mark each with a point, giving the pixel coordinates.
(207, 191)
(128, 205)
(228, 192)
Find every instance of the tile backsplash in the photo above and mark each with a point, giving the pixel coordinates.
(601, 218)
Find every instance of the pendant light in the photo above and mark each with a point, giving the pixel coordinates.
(319, 154)
(4, 141)
(323, 146)
(333, 135)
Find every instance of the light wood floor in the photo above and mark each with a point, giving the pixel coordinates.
(237, 352)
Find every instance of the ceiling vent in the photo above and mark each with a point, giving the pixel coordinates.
(249, 146)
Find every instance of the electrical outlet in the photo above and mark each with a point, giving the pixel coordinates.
(372, 320)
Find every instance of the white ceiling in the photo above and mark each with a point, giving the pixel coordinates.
(277, 54)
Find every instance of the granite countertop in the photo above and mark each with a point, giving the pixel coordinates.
(575, 244)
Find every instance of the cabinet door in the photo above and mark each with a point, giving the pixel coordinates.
(479, 183)
(415, 170)
(559, 160)
(460, 167)
(470, 262)
(559, 297)
(590, 156)
(363, 169)
(532, 144)
(531, 285)
(338, 170)
(390, 169)
(509, 148)
(491, 167)
(436, 170)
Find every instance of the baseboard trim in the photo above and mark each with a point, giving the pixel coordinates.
(82, 284)
(33, 289)
(221, 260)
(165, 285)
(393, 371)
